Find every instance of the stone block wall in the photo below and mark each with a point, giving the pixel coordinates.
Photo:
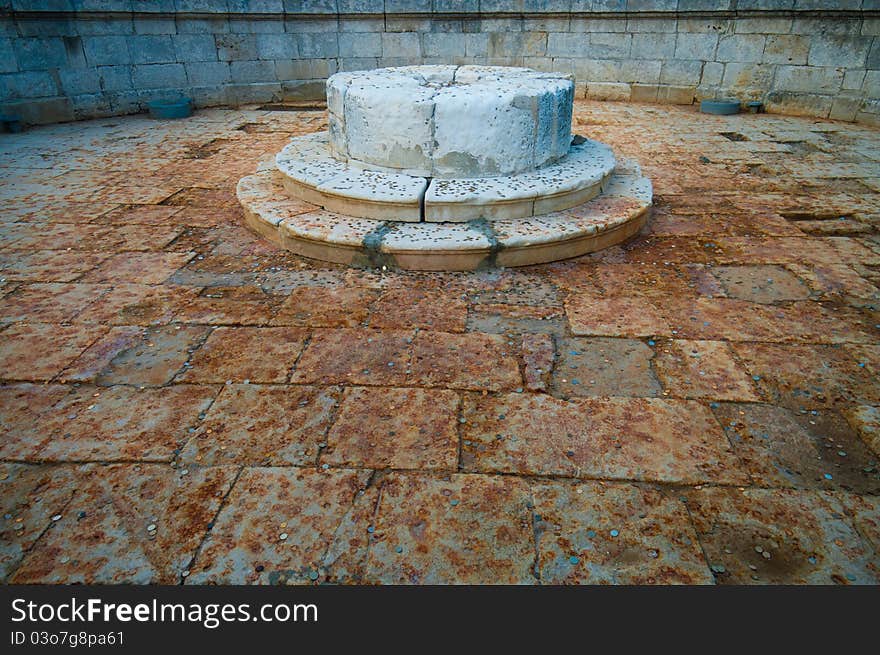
(70, 59)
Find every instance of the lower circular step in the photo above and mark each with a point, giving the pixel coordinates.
(610, 218)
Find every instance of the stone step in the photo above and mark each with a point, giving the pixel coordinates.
(310, 173)
(612, 217)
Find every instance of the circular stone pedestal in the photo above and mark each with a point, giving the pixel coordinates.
(446, 168)
(450, 121)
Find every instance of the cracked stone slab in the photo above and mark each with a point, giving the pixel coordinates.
(279, 523)
(598, 533)
(137, 524)
(572, 180)
(450, 121)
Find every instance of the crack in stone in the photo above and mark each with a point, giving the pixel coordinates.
(485, 228)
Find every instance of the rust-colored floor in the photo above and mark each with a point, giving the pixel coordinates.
(181, 402)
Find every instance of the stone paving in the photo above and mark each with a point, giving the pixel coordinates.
(181, 402)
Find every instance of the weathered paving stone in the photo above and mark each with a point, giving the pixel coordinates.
(103, 535)
(642, 439)
(865, 514)
(138, 304)
(40, 351)
(120, 423)
(139, 215)
(21, 408)
(808, 375)
(355, 356)
(814, 450)
(97, 357)
(604, 367)
(395, 428)
(837, 281)
(310, 508)
(866, 421)
(806, 535)
(702, 369)
(48, 265)
(497, 318)
(29, 497)
(154, 359)
(138, 267)
(48, 303)
(257, 354)
(275, 425)
(419, 308)
(614, 316)
(241, 305)
(539, 357)
(465, 361)
(761, 284)
(592, 533)
(325, 307)
(463, 529)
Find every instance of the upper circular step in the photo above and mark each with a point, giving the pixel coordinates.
(450, 121)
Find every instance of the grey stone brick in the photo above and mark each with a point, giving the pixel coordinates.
(42, 27)
(873, 60)
(614, 91)
(517, 44)
(420, 6)
(871, 84)
(712, 73)
(444, 45)
(546, 24)
(853, 79)
(741, 77)
(568, 44)
(838, 27)
(115, 78)
(310, 6)
(32, 84)
(245, 94)
(155, 25)
(798, 104)
(402, 44)
(213, 25)
(831, 50)
(318, 44)
(236, 47)
(652, 5)
(476, 45)
(151, 49)
(277, 46)
(695, 46)
(207, 73)
(609, 45)
(636, 24)
(361, 6)
(659, 45)
(358, 63)
(808, 79)
(740, 48)
(105, 26)
(762, 25)
(256, 25)
(8, 63)
(300, 25)
(158, 76)
(845, 108)
(681, 73)
(40, 54)
(91, 105)
(305, 69)
(361, 24)
(209, 96)
(361, 44)
(101, 50)
(786, 49)
(246, 72)
(195, 47)
(595, 25)
(257, 6)
(78, 81)
(40, 111)
(501, 24)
